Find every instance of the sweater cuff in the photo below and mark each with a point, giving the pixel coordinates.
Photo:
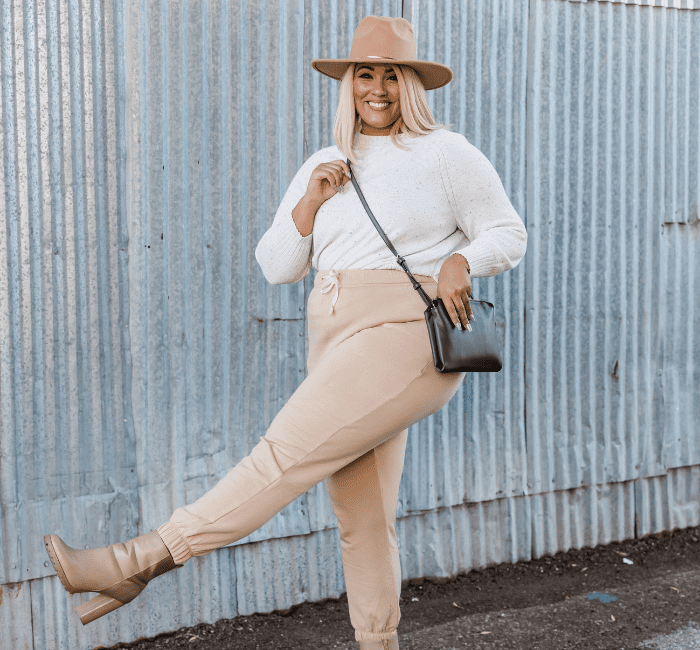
(482, 261)
(290, 242)
(286, 243)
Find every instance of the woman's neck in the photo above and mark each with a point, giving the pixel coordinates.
(365, 129)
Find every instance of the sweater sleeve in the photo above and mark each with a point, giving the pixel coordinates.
(282, 253)
(496, 233)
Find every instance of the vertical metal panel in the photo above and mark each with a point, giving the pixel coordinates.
(67, 440)
(444, 541)
(678, 300)
(16, 616)
(611, 303)
(586, 516)
(667, 502)
(67, 461)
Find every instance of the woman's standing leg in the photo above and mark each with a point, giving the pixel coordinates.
(364, 495)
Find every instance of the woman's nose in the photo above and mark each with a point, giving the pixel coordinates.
(379, 85)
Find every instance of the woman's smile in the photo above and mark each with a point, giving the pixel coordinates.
(378, 107)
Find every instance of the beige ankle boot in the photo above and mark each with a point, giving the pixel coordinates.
(118, 572)
(384, 644)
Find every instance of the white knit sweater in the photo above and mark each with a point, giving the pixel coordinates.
(439, 197)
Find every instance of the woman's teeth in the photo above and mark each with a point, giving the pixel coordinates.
(382, 105)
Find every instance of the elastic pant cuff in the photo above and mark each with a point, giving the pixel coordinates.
(372, 636)
(176, 543)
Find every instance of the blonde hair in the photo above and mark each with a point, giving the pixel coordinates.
(415, 119)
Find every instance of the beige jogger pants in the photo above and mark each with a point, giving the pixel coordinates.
(371, 376)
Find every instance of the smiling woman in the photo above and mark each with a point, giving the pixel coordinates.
(371, 371)
(398, 85)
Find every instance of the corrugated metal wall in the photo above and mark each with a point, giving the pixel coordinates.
(612, 368)
(146, 147)
(67, 438)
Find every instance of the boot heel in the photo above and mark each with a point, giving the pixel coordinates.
(96, 607)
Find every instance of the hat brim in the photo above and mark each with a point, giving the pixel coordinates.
(433, 75)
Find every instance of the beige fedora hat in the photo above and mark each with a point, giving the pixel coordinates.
(383, 40)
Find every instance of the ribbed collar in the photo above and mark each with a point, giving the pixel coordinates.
(371, 143)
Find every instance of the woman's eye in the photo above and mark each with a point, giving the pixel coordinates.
(367, 74)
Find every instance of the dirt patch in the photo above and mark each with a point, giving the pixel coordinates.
(531, 590)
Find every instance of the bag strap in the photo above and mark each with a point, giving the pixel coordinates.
(400, 260)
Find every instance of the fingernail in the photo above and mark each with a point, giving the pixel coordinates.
(472, 317)
(459, 326)
(469, 327)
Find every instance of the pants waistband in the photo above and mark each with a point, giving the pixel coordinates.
(354, 277)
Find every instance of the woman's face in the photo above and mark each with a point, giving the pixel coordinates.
(376, 84)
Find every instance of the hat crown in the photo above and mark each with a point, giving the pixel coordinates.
(384, 37)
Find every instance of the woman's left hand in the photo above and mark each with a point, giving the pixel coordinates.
(455, 289)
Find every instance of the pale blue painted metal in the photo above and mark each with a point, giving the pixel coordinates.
(612, 274)
(67, 437)
(146, 147)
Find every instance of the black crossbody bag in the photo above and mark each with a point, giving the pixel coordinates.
(454, 350)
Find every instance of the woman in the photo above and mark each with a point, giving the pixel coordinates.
(371, 371)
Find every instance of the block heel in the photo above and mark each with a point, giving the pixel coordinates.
(96, 607)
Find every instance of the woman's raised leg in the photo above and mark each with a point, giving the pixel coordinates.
(363, 392)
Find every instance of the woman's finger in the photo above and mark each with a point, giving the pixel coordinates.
(468, 307)
(330, 174)
(454, 317)
(337, 181)
(342, 175)
(461, 310)
(453, 311)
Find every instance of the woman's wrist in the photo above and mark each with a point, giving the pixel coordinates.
(304, 215)
(466, 261)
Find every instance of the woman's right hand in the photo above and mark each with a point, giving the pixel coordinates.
(326, 180)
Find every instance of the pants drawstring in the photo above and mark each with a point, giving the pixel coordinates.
(331, 281)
